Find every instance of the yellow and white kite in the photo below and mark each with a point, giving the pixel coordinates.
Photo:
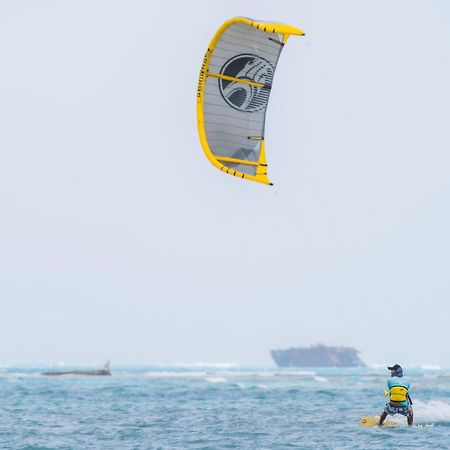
(233, 91)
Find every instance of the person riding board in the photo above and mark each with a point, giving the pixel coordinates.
(399, 400)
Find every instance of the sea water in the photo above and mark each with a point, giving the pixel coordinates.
(217, 407)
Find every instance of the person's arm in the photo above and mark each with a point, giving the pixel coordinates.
(386, 393)
(409, 398)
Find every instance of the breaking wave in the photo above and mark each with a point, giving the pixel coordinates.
(201, 364)
(431, 367)
(216, 380)
(431, 411)
(169, 374)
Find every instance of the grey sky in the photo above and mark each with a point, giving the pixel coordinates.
(119, 240)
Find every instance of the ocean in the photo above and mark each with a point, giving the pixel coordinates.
(217, 407)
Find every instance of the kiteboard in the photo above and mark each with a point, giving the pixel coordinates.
(372, 421)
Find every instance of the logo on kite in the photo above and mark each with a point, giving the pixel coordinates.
(244, 97)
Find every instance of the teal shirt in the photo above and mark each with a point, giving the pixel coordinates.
(399, 381)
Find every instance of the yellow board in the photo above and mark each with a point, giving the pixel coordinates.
(372, 421)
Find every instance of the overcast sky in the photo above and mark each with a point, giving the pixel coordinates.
(119, 240)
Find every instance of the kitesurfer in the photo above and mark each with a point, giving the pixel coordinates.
(399, 400)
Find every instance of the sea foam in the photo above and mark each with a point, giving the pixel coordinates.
(431, 411)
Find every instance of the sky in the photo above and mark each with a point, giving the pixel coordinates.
(119, 240)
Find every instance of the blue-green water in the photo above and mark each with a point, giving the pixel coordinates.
(216, 407)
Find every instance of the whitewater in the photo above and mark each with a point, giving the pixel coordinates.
(207, 406)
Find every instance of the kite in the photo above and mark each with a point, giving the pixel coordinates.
(233, 91)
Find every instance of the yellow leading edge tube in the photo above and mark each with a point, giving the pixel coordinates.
(260, 175)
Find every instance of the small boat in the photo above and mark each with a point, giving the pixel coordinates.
(106, 371)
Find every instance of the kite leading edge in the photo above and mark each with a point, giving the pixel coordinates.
(233, 92)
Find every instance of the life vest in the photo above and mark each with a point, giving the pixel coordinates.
(398, 394)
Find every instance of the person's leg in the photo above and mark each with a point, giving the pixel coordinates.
(382, 417)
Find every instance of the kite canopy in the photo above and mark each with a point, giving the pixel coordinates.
(233, 91)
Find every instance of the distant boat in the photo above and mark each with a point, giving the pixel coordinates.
(106, 371)
(317, 356)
